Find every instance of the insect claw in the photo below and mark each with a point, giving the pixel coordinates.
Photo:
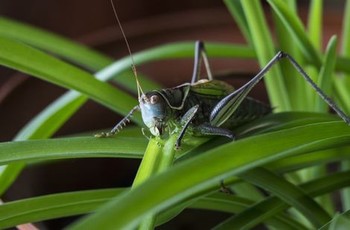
(99, 135)
(177, 145)
(144, 134)
(225, 189)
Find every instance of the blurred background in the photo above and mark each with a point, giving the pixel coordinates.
(93, 24)
(146, 24)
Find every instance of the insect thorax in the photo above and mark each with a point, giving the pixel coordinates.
(207, 94)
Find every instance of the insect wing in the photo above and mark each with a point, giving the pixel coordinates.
(211, 89)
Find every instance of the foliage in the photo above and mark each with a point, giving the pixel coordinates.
(275, 170)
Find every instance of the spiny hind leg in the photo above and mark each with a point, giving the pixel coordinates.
(229, 104)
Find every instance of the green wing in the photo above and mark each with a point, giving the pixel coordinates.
(211, 88)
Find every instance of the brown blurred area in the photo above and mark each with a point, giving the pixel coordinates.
(146, 24)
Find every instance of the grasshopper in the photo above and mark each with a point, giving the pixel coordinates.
(207, 106)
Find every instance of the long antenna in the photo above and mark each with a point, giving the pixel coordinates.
(133, 66)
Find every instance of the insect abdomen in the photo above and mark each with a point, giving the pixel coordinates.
(249, 110)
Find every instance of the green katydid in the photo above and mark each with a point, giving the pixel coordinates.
(208, 106)
(205, 106)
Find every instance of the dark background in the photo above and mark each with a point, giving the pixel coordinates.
(92, 22)
(146, 23)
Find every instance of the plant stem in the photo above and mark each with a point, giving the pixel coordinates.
(158, 156)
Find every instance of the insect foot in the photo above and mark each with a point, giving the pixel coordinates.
(178, 145)
(103, 134)
(225, 189)
(99, 135)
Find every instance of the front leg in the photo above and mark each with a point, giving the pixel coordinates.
(120, 124)
(185, 121)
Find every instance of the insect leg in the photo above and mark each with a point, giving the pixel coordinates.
(200, 55)
(225, 189)
(185, 120)
(207, 129)
(228, 105)
(120, 124)
(329, 101)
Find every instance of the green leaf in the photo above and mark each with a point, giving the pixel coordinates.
(158, 157)
(265, 51)
(289, 193)
(271, 206)
(312, 159)
(339, 222)
(235, 204)
(36, 63)
(53, 206)
(342, 84)
(220, 163)
(74, 52)
(27, 151)
(297, 31)
(325, 78)
(292, 82)
(75, 203)
(315, 23)
(346, 30)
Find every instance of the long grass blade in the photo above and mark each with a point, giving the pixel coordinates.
(265, 50)
(325, 78)
(297, 100)
(315, 23)
(342, 85)
(297, 31)
(269, 207)
(289, 193)
(48, 149)
(54, 43)
(36, 63)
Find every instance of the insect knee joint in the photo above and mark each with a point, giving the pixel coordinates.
(281, 54)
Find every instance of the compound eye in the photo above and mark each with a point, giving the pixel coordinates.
(154, 99)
